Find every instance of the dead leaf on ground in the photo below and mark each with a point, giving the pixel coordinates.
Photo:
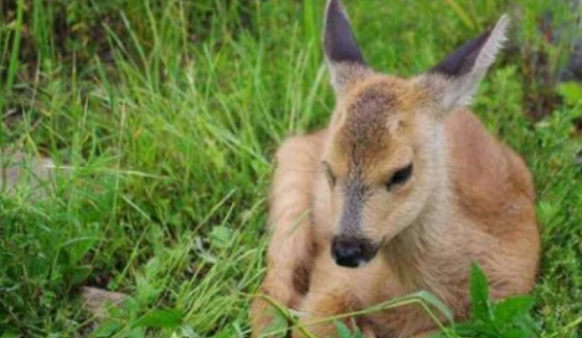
(97, 300)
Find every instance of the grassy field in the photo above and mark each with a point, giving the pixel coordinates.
(163, 117)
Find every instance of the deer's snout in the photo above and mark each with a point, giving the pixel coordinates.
(352, 252)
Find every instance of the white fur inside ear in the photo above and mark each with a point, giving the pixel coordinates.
(492, 47)
(459, 91)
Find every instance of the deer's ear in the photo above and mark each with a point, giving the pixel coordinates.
(344, 57)
(454, 81)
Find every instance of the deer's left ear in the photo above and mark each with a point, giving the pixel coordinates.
(344, 57)
(454, 81)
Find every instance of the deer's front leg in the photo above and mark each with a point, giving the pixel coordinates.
(279, 289)
(319, 307)
(286, 280)
(316, 308)
(291, 247)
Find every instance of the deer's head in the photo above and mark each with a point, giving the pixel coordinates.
(384, 156)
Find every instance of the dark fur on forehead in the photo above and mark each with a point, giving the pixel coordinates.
(367, 115)
(374, 115)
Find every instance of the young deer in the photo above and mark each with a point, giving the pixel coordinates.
(402, 192)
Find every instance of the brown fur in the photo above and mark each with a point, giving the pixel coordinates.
(470, 199)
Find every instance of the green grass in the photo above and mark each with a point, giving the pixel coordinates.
(165, 115)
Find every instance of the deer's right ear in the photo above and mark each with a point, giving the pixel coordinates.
(454, 81)
(344, 57)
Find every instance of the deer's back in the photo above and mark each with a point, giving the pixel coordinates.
(495, 193)
(488, 177)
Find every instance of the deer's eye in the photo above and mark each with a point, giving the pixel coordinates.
(400, 176)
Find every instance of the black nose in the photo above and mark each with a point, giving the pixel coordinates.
(352, 252)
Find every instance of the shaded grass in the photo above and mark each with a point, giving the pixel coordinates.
(166, 147)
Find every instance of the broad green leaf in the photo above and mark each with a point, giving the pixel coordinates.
(480, 304)
(342, 330)
(526, 323)
(511, 309)
(475, 329)
(160, 319)
(517, 332)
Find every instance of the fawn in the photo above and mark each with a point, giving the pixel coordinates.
(401, 192)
